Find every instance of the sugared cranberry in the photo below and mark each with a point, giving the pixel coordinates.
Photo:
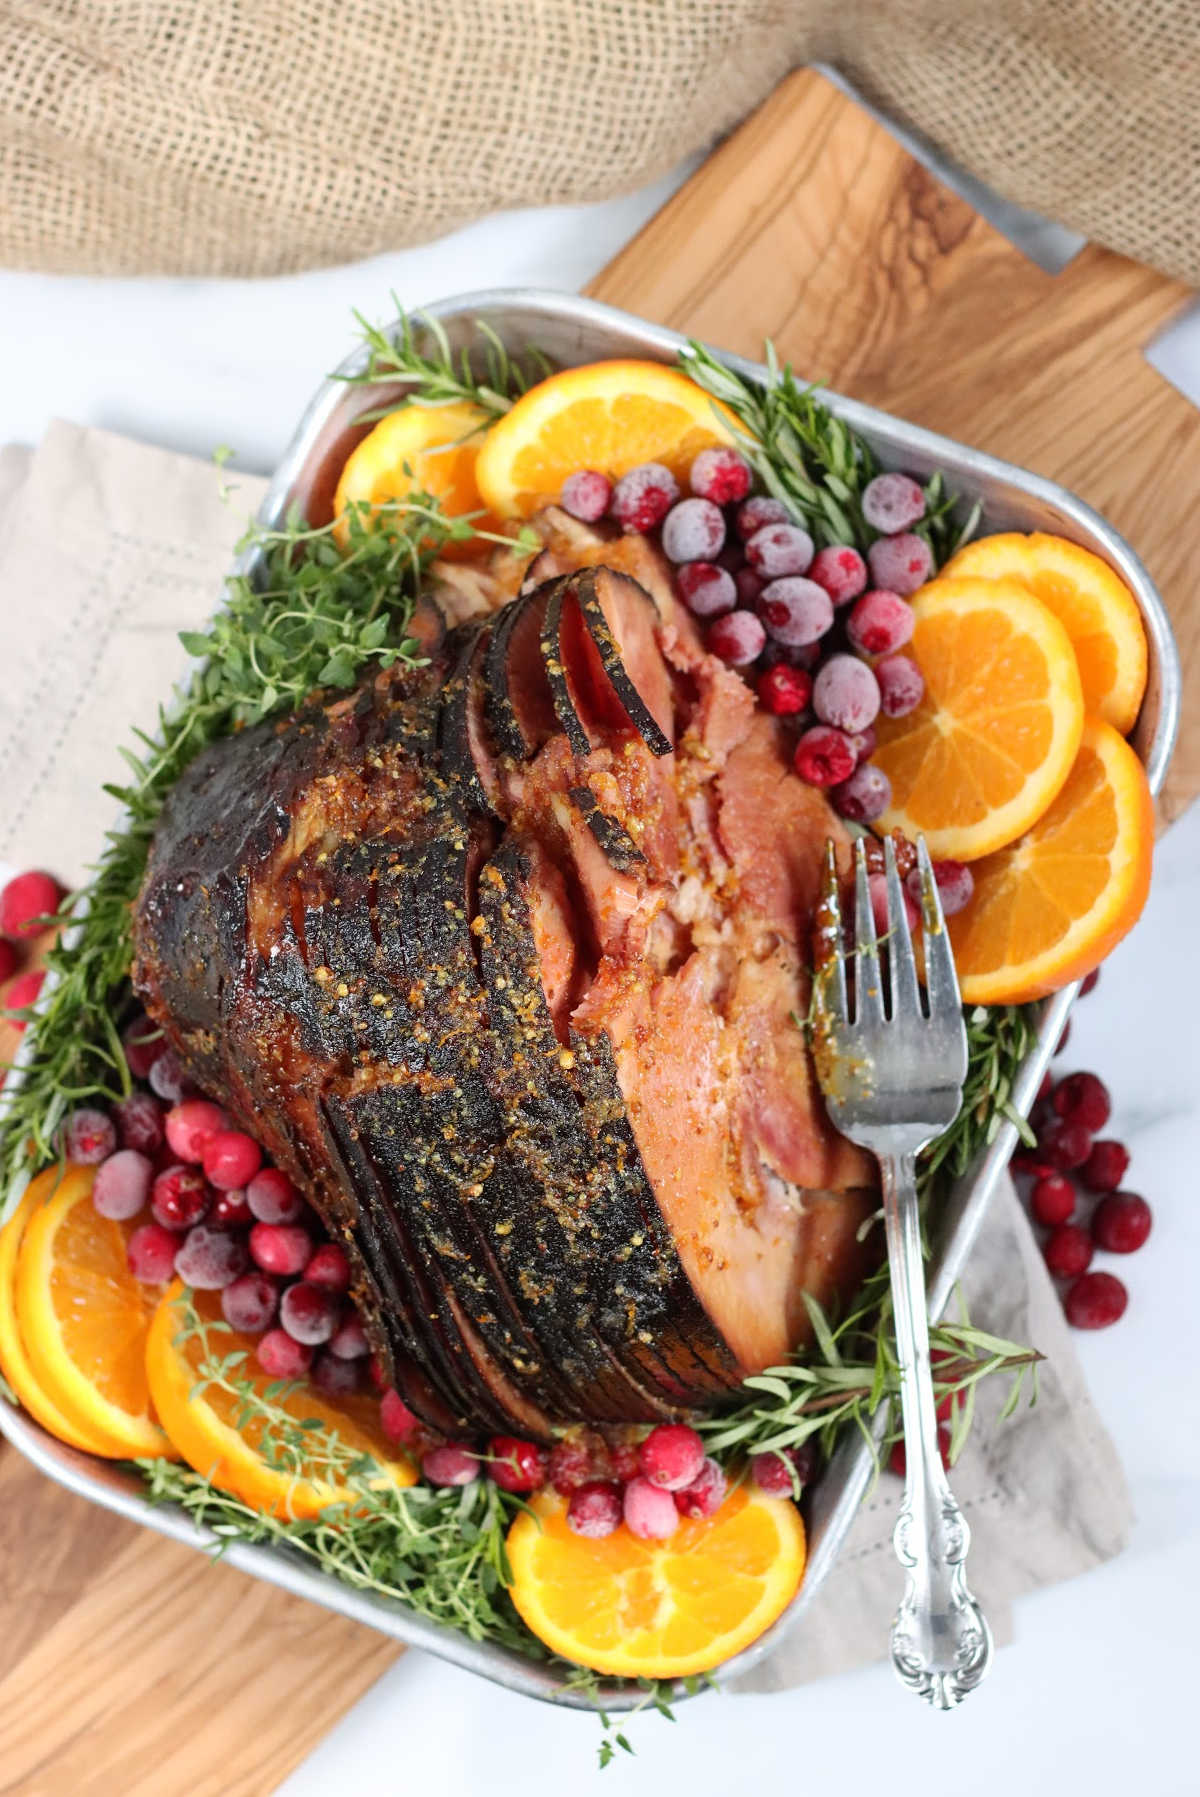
(705, 589)
(1106, 1165)
(336, 1378)
(307, 1313)
(624, 1460)
(880, 623)
(779, 1474)
(1090, 983)
(846, 694)
(586, 494)
(841, 570)
(706, 1493)
(865, 743)
(329, 1268)
(779, 550)
(737, 638)
(349, 1339)
(516, 1465)
(231, 1211)
(231, 1158)
(572, 1463)
(892, 502)
(283, 1248)
(797, 612)
(1095, 1301)
(210, 1259)
(26, 902)
(721, 475)
(451, 1464)
(901, 685)
(143, 1043)
(877, 887)
(1068, 1251)
(649, 1510)
(759, 511)
(864, 797)
(901, 563)
(643, 497)
(1121, 1222)
(1064, 1146)
(122, 1184)
(88, 1137)
(395, 1418)
(281, 1356)
(250, 1302)
(594, 1510)
(139, 1121)
(273, 1198)
(1082, 1098)
(24, 990)
(151, 1252)
(180, 1197)
(191, 1126)
(824, 756)
(693, 531)
(1052, 1199)
(167, 1077)
(671, 1456)
(783, 691)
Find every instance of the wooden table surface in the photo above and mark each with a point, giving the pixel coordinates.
(128, 1664)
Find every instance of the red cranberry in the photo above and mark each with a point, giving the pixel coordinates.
(180, 1197)
(649, 1510)
(1052, 1199)
(376, 1374)
(1106, 1165)
(748, 586)
(706, 1493)
(122, 1184)
(1095, 1301)
(773, 1472)
(26, 902)
(586, 495)
(624, 1459)
(329, 1268)
(231, 1158)
(955, 883)
(250, 1302)
(273, 1198)
(1068, 1251)
(1064, 1038)
(516, 1465)
(783, 690)
(231, 1211)
(864, 797)
(721, 475)
(22, 993)
(336, 1378)
(139, 1121)
(349, 1339)
(191, 1126)
(451, 1464)
(88, 1137)
(151, 1252)
(824, 756)
(756, 512)
(281, 1356)
(572, 1463)
(1090, 983)
(8, 960)
(643, 497)
(901, 685)
(1046, 1087)
(143, 1043)
(1064, 1145)
(1121, 1222)
(898, 1459)
(395, 1418)
(878, 889)
(1029, 1162)
(307, 1313)
(1082, 1098)
(594, 1510)
(671, 1456)
(283, 1248)
(705, 589)
(210, 1259)
(841, 570)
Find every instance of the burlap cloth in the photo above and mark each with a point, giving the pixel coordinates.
(107, 549)
(258, 136)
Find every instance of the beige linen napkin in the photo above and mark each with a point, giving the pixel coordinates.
(109, 548)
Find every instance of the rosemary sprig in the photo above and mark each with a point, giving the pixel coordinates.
(438, 376)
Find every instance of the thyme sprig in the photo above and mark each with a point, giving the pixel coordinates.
(485, 374)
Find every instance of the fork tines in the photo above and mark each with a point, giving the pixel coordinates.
(885, 985)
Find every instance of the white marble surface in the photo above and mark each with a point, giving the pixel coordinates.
(1097, 1691)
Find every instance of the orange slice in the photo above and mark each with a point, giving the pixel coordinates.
(14, 1361)
(994, 738)
(1093, 605)
(610, 416)
(83, 1319)
(657, 1609)
(269, 1464)
(1050, 907)
(424, 449)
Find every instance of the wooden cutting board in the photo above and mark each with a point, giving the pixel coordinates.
(126, 1662)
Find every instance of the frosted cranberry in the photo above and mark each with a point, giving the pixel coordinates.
(1090, 983)
(329, 1268)
(824, 756)
(231, 1158)
(1082, 1098)
(179, 1197)
(955, 883)
(273, 1198)
(649, 1510)
(1064, 1146)
(139, 1121)
(846, 694)
(572, 1463)
(122, 1184)
(865, 743)
(671, 1456)
(250, 1302)
(283, 1248)
(1121, 1222)
(26, 902)
(898, 1458)
(451, 1464)
(231, 1211)
(167, 1077)
(1105, 1166)
(336, 1378)
(624, 1459)
(1095, 1301)
(307, 1313)
(796, 611)
(877, 887)
(88, 1137)
(705, 589)
(901, 685)
(693, 531)
(210, 1259)
(781, 549)
(586, 495)
(864, 797)
(737, 638)
(281, 1356)
(516, 1465)
(759, 511)
(191, 1126)
(841, 570)
(721, 475)
(748, 585)
(349, 1339)
(151, 1252)
(395, 1418)
(881, 623)
(143, 1043)
(1052, 1199)
(8, 960)
(643, 497)
(784, 691)
(706, 1493)
(22, 993)
(1068, 1250)
(892, 502)
(901, 564)
(772, 1473)
(594, 1510)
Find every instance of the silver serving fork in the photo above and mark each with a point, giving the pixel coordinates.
(892, 1071)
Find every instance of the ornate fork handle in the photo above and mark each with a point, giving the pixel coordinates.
(941, 1644)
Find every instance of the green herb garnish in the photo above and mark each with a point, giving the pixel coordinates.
(439, 377)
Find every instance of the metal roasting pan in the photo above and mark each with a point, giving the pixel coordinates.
(569, 331)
